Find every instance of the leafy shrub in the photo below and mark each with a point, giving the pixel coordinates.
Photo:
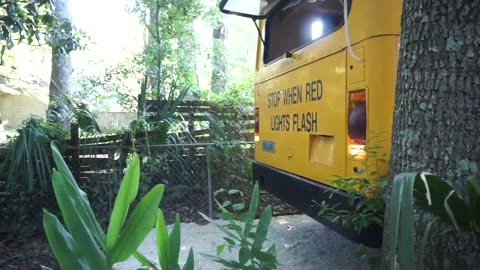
(83, 245)
(242, 233)
(21, 213)
(366, 204)
(365, 193)
(168, 245)
(29, 160)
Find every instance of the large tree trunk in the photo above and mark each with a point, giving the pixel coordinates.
(437, 107)
(61, 66)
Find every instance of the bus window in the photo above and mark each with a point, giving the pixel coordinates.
(292, 26)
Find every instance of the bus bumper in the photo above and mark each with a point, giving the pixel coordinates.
(302, 194)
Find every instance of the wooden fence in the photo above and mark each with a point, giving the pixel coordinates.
(206, 121)
(203, 123)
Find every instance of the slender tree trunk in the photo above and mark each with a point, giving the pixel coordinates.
(219, 61)
(188, 45)
(61, 66)
(437, 108)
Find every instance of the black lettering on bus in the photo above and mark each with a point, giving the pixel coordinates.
(292, 95)
(280, 122)
(305, 122)
(307, 92)
(274, 99)
(314, 90)
(314, 122)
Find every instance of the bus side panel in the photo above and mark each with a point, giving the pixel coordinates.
(379, 63)
(302, 119)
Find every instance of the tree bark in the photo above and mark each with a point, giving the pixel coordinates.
(61, 65)
(437, 107)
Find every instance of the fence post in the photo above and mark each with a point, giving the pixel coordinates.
(75, 143)
(209, 179)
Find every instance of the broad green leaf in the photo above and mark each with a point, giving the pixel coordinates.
(82, 236)
(61, 243)
(268, 259)
(219, 191)
(137, 227)
(78, 196)
(234, 227)
(230, 264)
(229, 241)
(439, 190)
(220, 249)
(233, 191)
(245, 217)
(254, 202)
(126, 194)
(238, 206)
(175, 243)
(262, 227)
(45, 267)
(264, 256)
(163, 243)
(190, 263)
(394, 219)
(227, 216)
(244, 255)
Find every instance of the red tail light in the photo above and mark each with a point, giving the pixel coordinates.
(357, 118)
(357, 123)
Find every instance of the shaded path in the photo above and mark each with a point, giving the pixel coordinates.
(301, 243)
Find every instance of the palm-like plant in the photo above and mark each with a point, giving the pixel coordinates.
(435, 196)
(29, 160)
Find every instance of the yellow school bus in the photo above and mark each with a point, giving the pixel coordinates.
(324, 83)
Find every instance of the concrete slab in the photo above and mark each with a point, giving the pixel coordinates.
(301, 242)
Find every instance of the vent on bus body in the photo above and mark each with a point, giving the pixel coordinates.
(357, 123)
(257, 125)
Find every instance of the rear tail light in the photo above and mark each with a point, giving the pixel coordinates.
(357, 123)
(257, 125)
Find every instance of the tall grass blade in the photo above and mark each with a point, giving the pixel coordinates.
(406, 241)
(262, 227)
(163, 243)
(61, 243)
(190, 263)
(175, 243)
(126, 194)
(80, 198)
(138, 225)
(86, 244)
(394, 220)
(254, 201)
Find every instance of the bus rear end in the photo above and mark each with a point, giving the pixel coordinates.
(322, 95)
